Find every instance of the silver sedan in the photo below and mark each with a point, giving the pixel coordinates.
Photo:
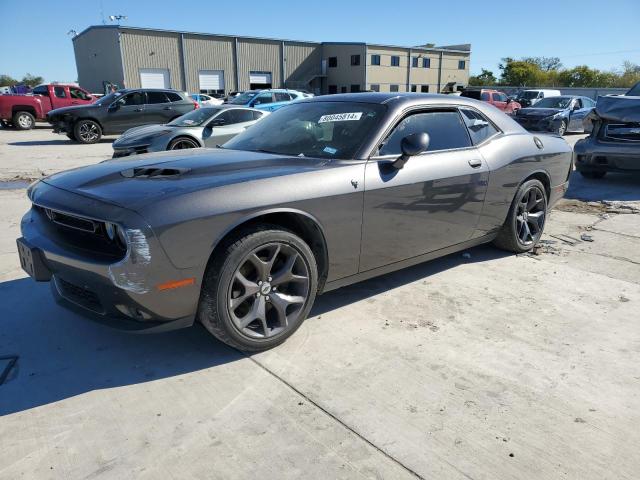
(203, 127)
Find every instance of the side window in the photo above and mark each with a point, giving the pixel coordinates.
(77, 93)
(41, 90)
(445, 128)
(484, 96)
(282, 97)
(263, 98)
(59, 92)
(588, 103)
(173, 97)
(502, 97)
(480, 129)
(579, 103)
(257, 115)
(233, 116)
(135, 98)
(156, 97)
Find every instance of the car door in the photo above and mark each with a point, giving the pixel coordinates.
(499, 100)
(79, 96)
(578, 111)
(60, 97)
(126, 112)
(158, 109)
(433, 202)
(226, 125)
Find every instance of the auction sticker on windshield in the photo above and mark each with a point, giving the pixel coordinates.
(340, 117)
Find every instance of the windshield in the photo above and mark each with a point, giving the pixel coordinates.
(634, 91)
(314, 129)
(243, 98)
(529, 94)
(108, 99)
(554, 102)
(194, 118)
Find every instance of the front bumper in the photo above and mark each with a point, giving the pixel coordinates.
(545, 124)
(120, 292)
(593, 155)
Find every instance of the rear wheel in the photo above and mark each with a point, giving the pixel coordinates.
(23, 120)
(593, 174)
(526, 219)
(182, 143)
(87, 131)
(258, 289)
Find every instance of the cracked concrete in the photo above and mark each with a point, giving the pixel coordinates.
(477, 365)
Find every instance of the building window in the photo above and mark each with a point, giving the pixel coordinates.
(333, 89)
(355, 88)
(395, 61)
(393, 88)
(414, 88)
(424, 88)
(333, 62)
(375, 87)
(355, 60)
(461, 64)
(426, 63)
(414, 62)
(343, 89)
(375, 59)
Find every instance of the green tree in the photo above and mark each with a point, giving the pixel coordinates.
(486, 77)
(7, 81)
(520, 73)
(31, 80)
(546, 64)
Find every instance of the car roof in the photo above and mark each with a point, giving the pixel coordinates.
(395, 98)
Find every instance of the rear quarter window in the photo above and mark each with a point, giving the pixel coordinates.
(173, 97)
(479, 127)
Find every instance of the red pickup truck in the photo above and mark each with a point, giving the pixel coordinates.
(22, 111)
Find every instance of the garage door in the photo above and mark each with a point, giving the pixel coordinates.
(154, 78)
(211, 80)
(260, 77)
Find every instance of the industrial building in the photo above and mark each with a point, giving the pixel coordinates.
(217, 64)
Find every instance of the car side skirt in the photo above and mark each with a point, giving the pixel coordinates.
(359, 277)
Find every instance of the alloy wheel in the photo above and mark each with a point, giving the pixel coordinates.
(182, 144)
(530, 216)
(269, 290)
(88, 132)
(562, 129)
(25, 121)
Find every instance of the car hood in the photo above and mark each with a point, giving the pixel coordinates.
(73, 108)
(135, 182)
(538, 112)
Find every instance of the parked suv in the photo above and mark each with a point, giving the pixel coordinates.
(494, 97)
(120, 111)
(269, 100)
(22, 111)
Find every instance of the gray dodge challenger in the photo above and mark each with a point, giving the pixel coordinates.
(323, 193)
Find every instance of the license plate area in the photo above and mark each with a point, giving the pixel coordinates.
(32, 261)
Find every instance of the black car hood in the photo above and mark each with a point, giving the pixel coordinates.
(73, 108)
(538, 112)
(134, 182)
(622, 109)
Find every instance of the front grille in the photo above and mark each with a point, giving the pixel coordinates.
(80, 295)
(626, 132)
(72, 221)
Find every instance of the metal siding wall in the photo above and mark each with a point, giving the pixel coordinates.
(302, 61)
(98, 58)
(345, 75)
(151, 50)
(208, 53)
(258, 55)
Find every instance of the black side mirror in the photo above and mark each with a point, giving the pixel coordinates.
(411, 145)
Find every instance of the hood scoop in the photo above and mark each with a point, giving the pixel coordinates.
(153, 172)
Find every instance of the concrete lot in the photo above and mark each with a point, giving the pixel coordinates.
(486, 367)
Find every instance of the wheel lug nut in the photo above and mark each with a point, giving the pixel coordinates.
(275, 288)
(258, 294)
(267, 298)
(270, 278)
(260, 282)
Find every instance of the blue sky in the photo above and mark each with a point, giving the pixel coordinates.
(600, 34)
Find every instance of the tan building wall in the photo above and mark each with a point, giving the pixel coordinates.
(386, 75)
(151, 49)
(345, 74)
(450, 71)
(302, 63)
(98, 59)
(209, 53)
(260, 56)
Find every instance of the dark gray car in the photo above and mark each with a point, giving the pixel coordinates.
(320, 194)
(556, 114)
(204, 127)
(118, 112)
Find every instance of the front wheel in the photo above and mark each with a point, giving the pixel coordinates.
(24, 120)
(526, 219)
(562, 128)
(87, 131)
(258, 289)
(182, 143)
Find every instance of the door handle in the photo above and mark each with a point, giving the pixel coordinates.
(475, 162)
(168, 108)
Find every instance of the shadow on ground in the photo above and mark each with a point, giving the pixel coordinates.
(623, 187)
(62, 354)
(33, 143)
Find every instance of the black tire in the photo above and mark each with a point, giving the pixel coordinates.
(181, 143)
(71, 136)
(215, 306)
(87, 131)
(516, 225)
(593, 174)
(23, 121)
(562, 128)
(5, 124)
